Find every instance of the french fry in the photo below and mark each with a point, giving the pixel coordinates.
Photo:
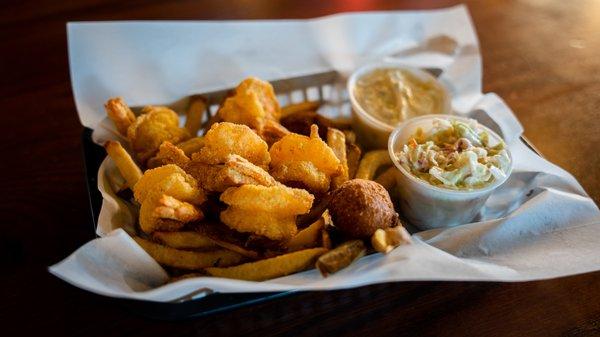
(227, 238)
(120, 114)
(353, 153)
(186, 259)
(299, 107)
(385, 240)
(350, 136)
(191, 145)
(128, 168)
(306, 238)
(370, 162)
(340, 257)
(337, 142)
(193, 120)
(184, 240)
(325, 239)
(388, 178)
(270, 268)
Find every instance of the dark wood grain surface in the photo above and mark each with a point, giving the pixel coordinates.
(542, 57)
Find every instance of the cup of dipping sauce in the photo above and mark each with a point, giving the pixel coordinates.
(384, 95)
(448, 166)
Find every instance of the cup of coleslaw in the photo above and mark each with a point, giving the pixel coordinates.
(447, 167)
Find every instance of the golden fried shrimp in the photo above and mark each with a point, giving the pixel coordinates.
(224, 139)
(168, 154)
(253, 104)
(290, 158)
(171, 208)
(235, 171)
(266, 211)
(171, 180)
(303, 172)
(150, 191)
(274, 199)
(154, 126)
(120, 114)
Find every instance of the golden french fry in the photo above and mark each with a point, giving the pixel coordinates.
(306, 238)
(193, 120)
(353, 153)
(299, 107)
(325, 239)
(186, 259)
(235, 248)
(341, 257)
(388, 178)
(350, 136)
(270, 268)
(337, 142)
(171, 208)
(128, 168)
(184, 240)
(120, 114)
(370, 162)
(385, 240)
(191, 145)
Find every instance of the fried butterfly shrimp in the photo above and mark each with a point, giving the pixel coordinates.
(171, 180)
(254, 104)
(168, 197)
(266, 211)
(235, 171)
(120, 114)
(171, 208)
(276, 199)
(154, 126)
(224, 139)
(305, 160)
(168, 154)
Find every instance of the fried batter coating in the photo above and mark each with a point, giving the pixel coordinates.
(260, 223)
(168, 154)
(308, 160)
(303, 172)
(120, 114)
(235, 171)
(275, 199)
(254, 104)
(224, 139)
(170, 180)
(171, 208)
(266, 211)
(154, 126)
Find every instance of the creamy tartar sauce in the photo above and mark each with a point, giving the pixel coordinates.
(393, 95)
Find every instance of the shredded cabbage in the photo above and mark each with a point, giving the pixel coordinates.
(454, 155)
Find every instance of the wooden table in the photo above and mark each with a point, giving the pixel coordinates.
(542, 57)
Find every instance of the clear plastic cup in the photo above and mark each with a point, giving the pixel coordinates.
(372, 132)
(427, 206)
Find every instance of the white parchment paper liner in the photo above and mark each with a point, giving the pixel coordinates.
(540, 224)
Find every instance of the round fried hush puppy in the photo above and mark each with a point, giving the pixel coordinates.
(360, 207)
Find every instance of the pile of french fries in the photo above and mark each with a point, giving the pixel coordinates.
(243, 194)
